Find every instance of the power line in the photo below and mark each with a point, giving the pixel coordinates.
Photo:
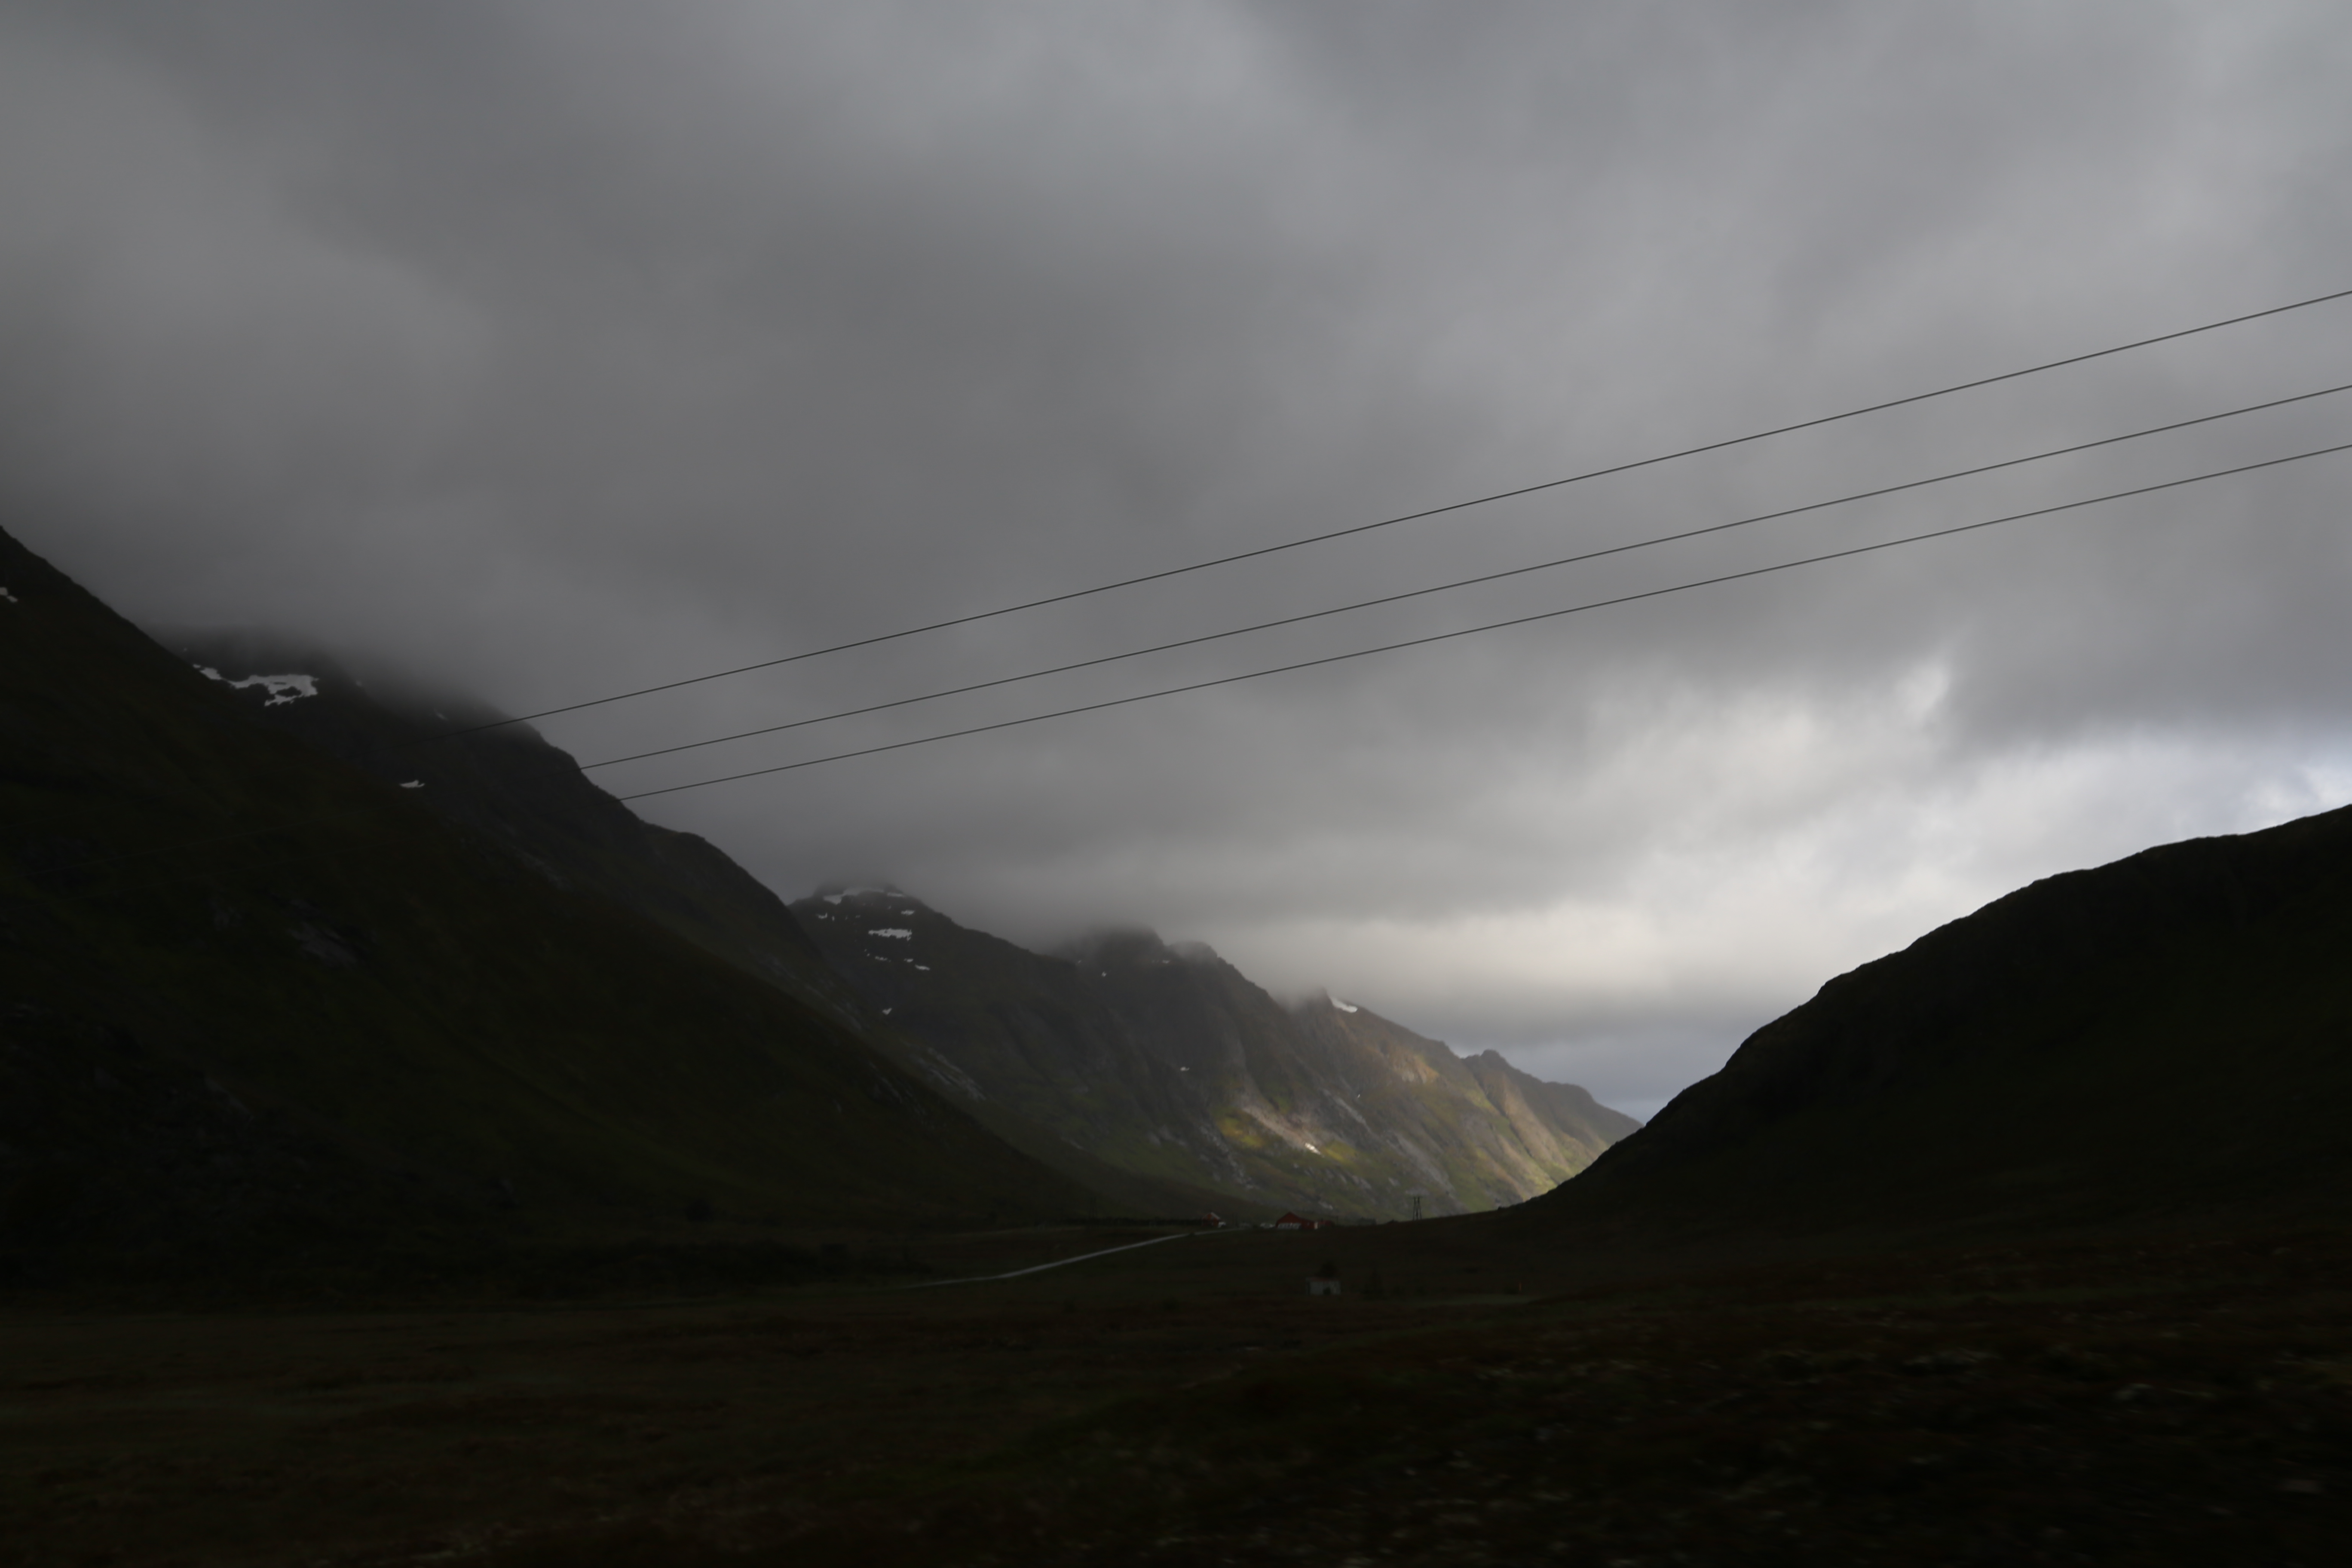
(1464, 581)
(1362, 528)
(1495, 626)
(1407, 517)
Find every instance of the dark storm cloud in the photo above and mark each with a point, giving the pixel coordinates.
(553, 348)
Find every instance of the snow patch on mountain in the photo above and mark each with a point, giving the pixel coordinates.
(835, 895)
(281, 688)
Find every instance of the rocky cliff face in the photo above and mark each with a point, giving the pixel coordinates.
(1168, 1062)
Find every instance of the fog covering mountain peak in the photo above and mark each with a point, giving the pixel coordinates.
(1112, 945)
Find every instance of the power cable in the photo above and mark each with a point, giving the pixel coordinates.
(1493, 625)
(1462, 581)
(1407, 517)
(1253, 675)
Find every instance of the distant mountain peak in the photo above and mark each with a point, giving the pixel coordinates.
(1163, 1061)
(858, 895)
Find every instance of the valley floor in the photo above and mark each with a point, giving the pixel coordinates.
(2150, 1400)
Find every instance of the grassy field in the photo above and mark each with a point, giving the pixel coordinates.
(2153, 1399)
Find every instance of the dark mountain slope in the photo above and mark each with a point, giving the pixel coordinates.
(530, 799)
(288, 967)
(1113, 1096)
(1168, 1063)
(1024, 1041)
(2167, 1034)
(511, 787)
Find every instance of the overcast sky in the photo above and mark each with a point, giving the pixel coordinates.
(555, 348)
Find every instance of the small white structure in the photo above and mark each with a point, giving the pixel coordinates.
(1322, 1287)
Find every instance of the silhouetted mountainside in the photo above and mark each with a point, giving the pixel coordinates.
(247, 989)
(530, 798)
(1167, 1062)
(2167, 1034)
(517, 791)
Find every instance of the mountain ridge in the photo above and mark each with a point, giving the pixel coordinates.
(2168, 1033)
(1129, 1131)
(1166, 1060)
(503, 780)
(247, 990)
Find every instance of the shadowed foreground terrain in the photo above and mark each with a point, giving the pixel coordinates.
(2024, 1244)
(2153, 1399)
